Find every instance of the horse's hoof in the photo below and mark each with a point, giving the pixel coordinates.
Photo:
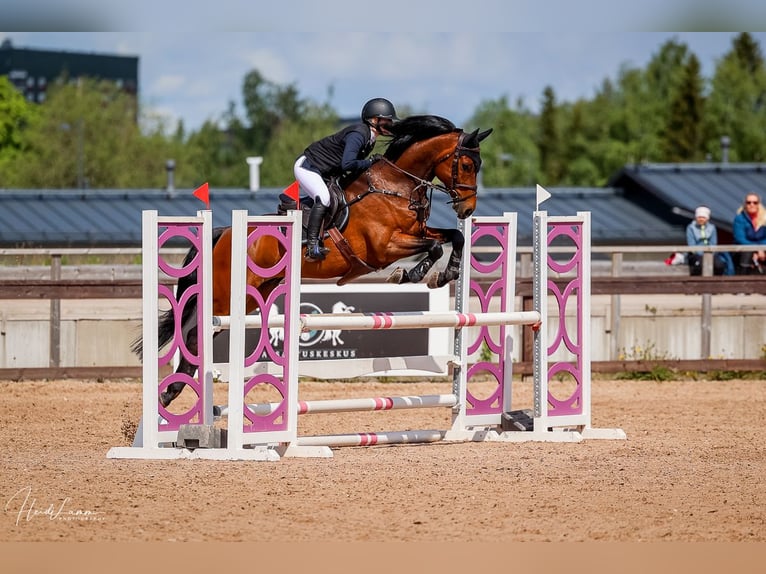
(438, 280)
(164, 400)
(396, 277)
(434, 282)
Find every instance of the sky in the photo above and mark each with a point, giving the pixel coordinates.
(444, 62)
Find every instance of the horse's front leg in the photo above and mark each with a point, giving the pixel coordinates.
(419, 271)
(402, 245)
(431, 243)
(452, 271)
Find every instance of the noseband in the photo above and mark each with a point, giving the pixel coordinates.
(459, 151)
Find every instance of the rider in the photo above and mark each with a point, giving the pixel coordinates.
(336, 154)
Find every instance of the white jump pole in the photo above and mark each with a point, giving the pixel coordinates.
(385, 321)
(357, 405)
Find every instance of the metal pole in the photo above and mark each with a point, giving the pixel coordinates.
(55, 319)
(707, 307)
(80, 154)
(614, 340)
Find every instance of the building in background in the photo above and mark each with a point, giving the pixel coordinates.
(33, 71)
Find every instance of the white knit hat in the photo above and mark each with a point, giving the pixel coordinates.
(702, 211)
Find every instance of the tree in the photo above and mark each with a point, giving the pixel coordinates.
(578, 167)
(736, 106)
(549, 141)
(510, 157)
(683, 134)
(267, 105)
(15, 115)
(87, 134)
(291, 138)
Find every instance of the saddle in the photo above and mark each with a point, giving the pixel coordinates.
(336, 216)
(335, 221)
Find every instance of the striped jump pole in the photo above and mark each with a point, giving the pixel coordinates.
(382, 321)
(372, 439)
(376, 321)
(356, 405)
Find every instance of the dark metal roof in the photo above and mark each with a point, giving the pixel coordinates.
(614, 219)
(112, 218)
(674, 191)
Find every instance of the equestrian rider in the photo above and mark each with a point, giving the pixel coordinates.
(336, 154)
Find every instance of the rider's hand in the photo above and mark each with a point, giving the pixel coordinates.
(376, 157)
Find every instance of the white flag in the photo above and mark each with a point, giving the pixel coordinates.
(542, 195)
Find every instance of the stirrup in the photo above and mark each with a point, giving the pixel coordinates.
(314, 252)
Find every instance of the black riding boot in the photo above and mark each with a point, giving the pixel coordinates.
(314, 251)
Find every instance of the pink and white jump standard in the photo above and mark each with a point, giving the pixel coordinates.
(269, 431)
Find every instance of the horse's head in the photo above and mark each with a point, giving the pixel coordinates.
(459, 168)
(429, 146)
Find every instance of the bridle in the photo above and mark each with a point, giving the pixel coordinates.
(459, 151)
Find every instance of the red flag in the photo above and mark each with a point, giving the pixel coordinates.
(293, 191)
(203, 194)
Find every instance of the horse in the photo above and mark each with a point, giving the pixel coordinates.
(388, 207)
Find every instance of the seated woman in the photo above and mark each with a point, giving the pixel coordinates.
(702, 232)
(750, 229)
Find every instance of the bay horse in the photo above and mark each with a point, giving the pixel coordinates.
(388, 208)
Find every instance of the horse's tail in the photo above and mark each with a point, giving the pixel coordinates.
(166, 324)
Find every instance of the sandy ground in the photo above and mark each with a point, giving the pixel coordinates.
(692, 469)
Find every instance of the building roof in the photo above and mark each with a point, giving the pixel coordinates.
(112, 218)
(674, 191)
(642, 205)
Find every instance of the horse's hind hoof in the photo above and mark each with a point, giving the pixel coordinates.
(396, 277)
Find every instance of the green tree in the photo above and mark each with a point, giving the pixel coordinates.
(683, 133)
(736, 106)
(267, 105)
(549, 141)
(291, 138)
(87, 134)
(578, 167)
(510, 157)
(81, 130)
(15, 115)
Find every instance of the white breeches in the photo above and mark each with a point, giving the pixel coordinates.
(312, 182)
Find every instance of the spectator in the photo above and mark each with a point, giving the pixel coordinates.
(750, 229)
(702, 232)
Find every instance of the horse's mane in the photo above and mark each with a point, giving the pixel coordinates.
(414, 129)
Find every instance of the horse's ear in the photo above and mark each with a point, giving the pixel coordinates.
(470, 138)
(484, 134)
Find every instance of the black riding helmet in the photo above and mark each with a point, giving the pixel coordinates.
(378, 108)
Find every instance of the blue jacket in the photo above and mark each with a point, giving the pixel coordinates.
(705, 235)
(744, 233)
